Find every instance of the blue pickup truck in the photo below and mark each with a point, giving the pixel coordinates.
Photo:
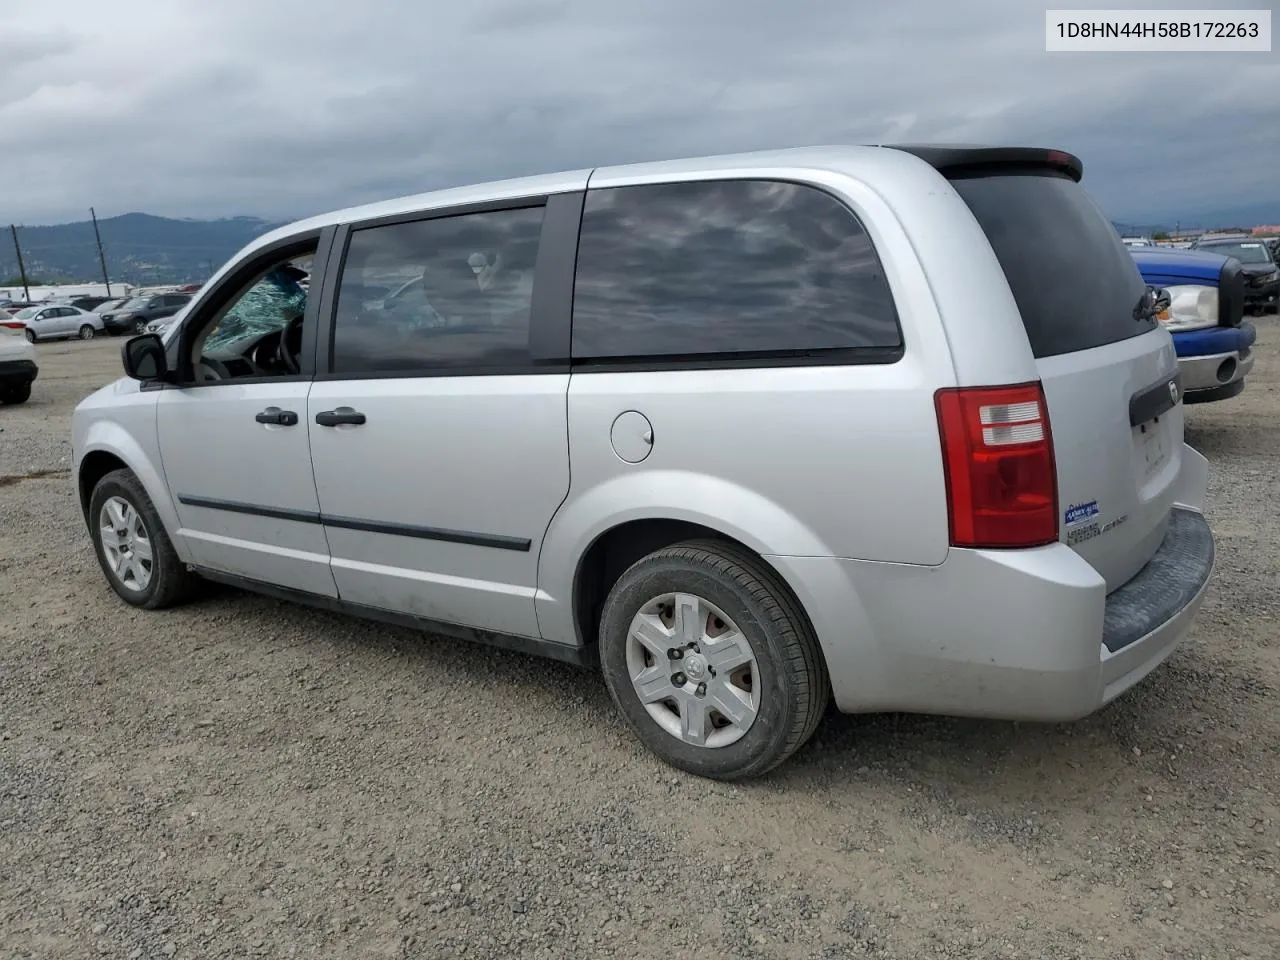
(1205, 317)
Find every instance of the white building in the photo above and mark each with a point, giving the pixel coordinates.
(38, 294)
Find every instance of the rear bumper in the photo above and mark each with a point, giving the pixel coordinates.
(18, 371)
(1013, 635)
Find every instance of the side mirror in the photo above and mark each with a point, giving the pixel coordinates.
(144, 357)
(1162, 300)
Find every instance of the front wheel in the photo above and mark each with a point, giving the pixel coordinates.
(31, 335)
(711, 661)
(140, 326)
(86, 332)
(133, 548)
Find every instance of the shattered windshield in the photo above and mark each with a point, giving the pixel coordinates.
(267, 306)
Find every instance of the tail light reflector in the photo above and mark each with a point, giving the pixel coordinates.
(997, 452)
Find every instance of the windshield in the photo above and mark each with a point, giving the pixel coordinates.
(137, 303)
(26, 314)
(109, 305)
(1248, 252)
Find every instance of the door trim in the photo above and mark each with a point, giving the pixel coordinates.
(232, 506)
(491, 540)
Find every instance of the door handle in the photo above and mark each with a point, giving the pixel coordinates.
(333, 418)
(284, 418)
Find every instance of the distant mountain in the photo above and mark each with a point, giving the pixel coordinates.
(1253, 215)
(143, 249)
(139, 248)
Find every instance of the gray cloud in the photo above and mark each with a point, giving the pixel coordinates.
(288, 108)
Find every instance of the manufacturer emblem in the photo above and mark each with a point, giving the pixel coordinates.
(1173, 390)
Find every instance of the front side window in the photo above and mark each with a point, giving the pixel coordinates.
(448, 293)
(271, 303)
(724, 268)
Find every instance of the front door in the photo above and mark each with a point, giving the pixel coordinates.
(233, 440)
(440, 452)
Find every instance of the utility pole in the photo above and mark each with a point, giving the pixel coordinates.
(22, 270)
(102, 258)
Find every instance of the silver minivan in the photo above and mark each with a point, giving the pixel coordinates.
(890, 426)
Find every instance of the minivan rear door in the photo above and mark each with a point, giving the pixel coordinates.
(1108, 370)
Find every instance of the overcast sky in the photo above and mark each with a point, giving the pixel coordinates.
(281, 108)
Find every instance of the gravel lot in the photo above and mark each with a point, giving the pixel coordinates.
(247, 778)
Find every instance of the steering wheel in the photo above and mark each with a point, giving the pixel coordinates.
(287, 352)
(210, 369)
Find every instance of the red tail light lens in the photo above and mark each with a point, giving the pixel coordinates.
(997, 451)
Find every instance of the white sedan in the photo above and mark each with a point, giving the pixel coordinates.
(57, 322)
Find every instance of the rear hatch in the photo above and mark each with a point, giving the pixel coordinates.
(1108, 370)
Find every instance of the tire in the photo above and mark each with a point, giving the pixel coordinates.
(786, 681)
(86, 332)
(140, 326)
(16, 393)
(169, 582)
(31, 335)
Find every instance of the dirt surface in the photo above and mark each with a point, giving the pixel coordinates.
(247, 778)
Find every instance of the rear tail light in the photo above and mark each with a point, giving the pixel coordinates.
(997, 452)
(12, 325)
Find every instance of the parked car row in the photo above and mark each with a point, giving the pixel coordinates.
(53, 320)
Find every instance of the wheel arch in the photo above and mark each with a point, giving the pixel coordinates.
(617, 548)
(107, 447)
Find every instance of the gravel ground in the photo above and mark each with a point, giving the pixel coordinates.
(248, 778)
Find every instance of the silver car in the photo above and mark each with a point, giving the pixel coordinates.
(58, 322)
(893, 427)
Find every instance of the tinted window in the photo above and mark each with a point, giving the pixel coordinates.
(1075, 284)
(469, 306)
(726, 267)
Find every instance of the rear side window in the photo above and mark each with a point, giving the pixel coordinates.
(735, 267)
(446, 294)
(1075, 284)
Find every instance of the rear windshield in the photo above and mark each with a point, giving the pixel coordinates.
(1074, 282)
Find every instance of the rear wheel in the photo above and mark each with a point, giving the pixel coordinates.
(140, 326)
(711, 661)
(86, 332)
(16, 393)
(132, 546)
(31, 335)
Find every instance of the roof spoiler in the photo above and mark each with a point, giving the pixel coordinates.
(957, 160)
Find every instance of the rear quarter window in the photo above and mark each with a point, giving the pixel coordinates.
(728, 269)
(1075, 284)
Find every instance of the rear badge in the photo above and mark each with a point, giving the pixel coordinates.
(1080, 512)
(1078, 535)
